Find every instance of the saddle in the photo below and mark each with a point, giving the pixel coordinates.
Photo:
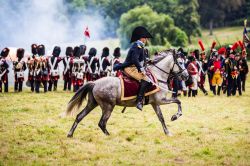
(130, 86)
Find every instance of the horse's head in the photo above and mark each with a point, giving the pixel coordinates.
(171, 65)
(179, 70)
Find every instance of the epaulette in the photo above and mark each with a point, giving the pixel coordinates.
(139, 46)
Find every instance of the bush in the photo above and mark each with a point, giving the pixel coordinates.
(161, 26)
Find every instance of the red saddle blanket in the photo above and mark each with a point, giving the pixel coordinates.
(130, 86)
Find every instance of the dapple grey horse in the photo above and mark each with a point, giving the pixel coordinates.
(106, 92)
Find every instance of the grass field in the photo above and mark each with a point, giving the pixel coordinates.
(228, 35)
(212, 131)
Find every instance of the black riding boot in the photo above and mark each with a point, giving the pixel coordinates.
(142, 89)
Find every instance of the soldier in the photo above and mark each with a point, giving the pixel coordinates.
(19, 67)
(183, 56)
(114, 61)
(4, 70)
(67, 72)
(93, 65)
(216, 70)
(104, 62)
(243, 67)
(77, 75)
(31, 66)
(84, 61)
(230, 69)
(194, 73)
(54, 68)
(41, 69)
(44, 67)
(238, 78)
(223, 56)
(134, 64)
(203, 73)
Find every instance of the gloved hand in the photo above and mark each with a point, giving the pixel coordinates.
(143, 70)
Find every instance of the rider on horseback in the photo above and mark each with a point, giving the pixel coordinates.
(134, 64)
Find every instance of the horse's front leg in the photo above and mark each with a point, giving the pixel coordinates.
(158, 112)
(170, 101)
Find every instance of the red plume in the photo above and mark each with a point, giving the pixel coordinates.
(241, 45)
(234, 47)
(201, 45)
(213, 45)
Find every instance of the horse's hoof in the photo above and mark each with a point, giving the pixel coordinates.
(70, 135)
(170, 134)
(174, 117)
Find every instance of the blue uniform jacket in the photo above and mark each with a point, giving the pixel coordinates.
(135, 55)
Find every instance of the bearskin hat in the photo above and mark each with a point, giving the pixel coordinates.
(41, 50)
(191, 58)
(34, 49)
(20, 53)
(228, 49)
(105, 52)
(76, 52)
(180, 50)
(5, 52)
(92, 51)
(83, 49)
(196, 53)
(140, 32)
(117, 52)
(69, 51)
(56, 51)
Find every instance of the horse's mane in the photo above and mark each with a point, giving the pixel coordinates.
(162, 54)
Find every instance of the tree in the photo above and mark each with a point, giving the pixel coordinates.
(216, 12)
(160, 25)
(187, 18)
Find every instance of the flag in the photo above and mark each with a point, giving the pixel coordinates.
(246, 39)
(86, 32)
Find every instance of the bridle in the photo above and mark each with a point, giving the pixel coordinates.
(170, 73)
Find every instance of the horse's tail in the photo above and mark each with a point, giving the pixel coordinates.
(76, 101)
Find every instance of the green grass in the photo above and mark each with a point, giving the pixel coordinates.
(228, 35)
(212, 131)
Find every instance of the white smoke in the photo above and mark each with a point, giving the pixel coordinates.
(48, 22)
(24, 22)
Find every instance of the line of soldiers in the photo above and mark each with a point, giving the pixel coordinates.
(43, 71)
(226, 69)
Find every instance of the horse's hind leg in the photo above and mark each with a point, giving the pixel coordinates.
(106, 112)
(90, 106)
(158, 112)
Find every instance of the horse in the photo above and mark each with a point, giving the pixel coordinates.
(106, 92)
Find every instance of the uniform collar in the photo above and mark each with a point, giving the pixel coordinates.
(140, 43)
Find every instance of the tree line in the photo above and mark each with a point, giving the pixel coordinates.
(178, 20)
